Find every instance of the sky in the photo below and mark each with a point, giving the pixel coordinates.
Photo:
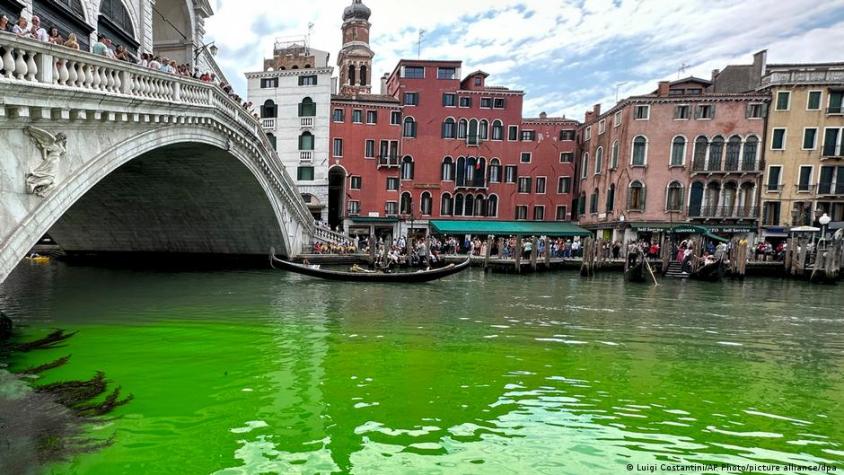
(565, 54)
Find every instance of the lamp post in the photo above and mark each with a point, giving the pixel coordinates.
(211, 47)
(824, 220)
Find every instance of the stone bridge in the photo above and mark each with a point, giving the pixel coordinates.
(107, 156)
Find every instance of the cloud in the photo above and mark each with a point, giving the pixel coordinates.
(565, 54)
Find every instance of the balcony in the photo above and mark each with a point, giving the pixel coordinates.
(388, 161)
(803, 77)
(306, 121)
(723, 212)
(306, 157)
(731, 165)
(268, 123)
(835, 110)
(827, 188)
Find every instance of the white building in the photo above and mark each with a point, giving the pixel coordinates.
(293, 96)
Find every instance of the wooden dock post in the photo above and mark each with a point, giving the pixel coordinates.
(518, 254)
(534, 250)
(547, 254)
(488, 252)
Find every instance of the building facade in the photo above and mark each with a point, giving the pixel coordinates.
(682, 154)
(293, 97)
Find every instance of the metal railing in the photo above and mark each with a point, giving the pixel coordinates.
(723, 212)
(731, 165)
(388, 161)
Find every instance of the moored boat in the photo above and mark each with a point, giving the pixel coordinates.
(712, 272)
(634, 266)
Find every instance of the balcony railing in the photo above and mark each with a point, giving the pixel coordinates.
(835, 110)
(731, 165)
(828, 188)
(306, 157)
(723, 212)
(797, 77)
(388, 161)
(306, 121)
(268, 123)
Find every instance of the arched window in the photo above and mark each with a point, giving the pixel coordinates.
(733, 153)
(462, 127)
(407, 168)
(678, 151)
(674, 197)
(446, 205)
(711, 198)
(497, 130)
(749, 161)
(118, 26)
(479, 175)
(695, 199)
(614, 158)
(447, 169)
(716, 150)
(636, 196)
(272, 141)
(480, 206)
(409, 129)
(269, 109)
(363, 77)
(492, 206)
(593, 201)
(483, 130)
(473, 132)
(728, 204)
(449, 131)
(581, 203)
(306, 141)
(610, 198)
(494, 171)
(471, 163)
(406, 203)
(699, 161)
(352, 74)
(460, 172)
(584, 164)
(307, 108)
(469, 206)
(458, 204)
(640, 151)
(599, 161)
(426, 204)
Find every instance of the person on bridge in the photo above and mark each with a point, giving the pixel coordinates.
(55, 37)
(21, 28)
(71, 42)
(4, 23)
(37, 32)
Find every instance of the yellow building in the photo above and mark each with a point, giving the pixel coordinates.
(804, 150)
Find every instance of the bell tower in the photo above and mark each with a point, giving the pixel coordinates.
(355, 58)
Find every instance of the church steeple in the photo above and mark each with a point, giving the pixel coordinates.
(355, 58)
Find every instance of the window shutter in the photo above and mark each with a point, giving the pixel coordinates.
(765, 110)
(444, 96)
(698, 111)
(712, 111)
(747, 113)
(642, 201)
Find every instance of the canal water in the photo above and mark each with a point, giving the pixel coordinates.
(270, 372)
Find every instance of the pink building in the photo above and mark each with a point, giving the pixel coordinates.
(679, 155)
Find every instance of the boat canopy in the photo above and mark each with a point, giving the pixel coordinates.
(507, 228)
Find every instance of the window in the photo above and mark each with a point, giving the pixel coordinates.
(497, 130)
(805, 180)
(486, 103)
(602, 126)
(833, 142)
(567, 135)
(307, 108)
(524, 184)
(483, 131)
(521, 212)
(641, 112)
(409, 129)
(566, 157)
(391, 208)
(449, 99)
(528, 136)
(564, 185)
(540, 185)
(748, 162)
(836, 100)
(407, 168)
(813, 101)
(538, 213)
(392, 183)
(406, 203)
(831, 181)
(371, 117)
(411, 98)
(584, 165)
(479, 81)
(716, 151)
(447, 172)
(610, 198)
(498, 103)
(446, 73)
(426, 204)
(354, 208)
(783, 100)
(472, 138)
(705, 111)
(465, 101)
(587, 133)
(414, 72)
(616, 121)
(562, 213)
(462, 128)
(681, 112)
(337, 151)
(614, 156)
(269, 109)
(363, 76)
(369, 149)
(352, 75)
(494, 171)
(357, 116)
(810, 138)
(771, 213)
(755, 111)
(306, 141)
(339, 115)
(636, 196)
(308, 80)
(593, 202)
(267, 83)
(774, 172)
(458, 204)
(305, 173)
(510, 172)
(513, 132)
(778, 139)
(355, 182)
(699, 158)
(525, 157)
(449, 130)
(492, 206)
(678, 151)
(395, 118)
(599, 160)
(640, 150)
(674, 197)
(446, 205)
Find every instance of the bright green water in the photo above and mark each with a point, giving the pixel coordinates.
(268, 372)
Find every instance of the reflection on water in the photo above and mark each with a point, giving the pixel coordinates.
(260, 372)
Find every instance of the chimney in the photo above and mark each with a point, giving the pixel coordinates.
(590, 116)
(543, 115)
(664, 86)
(715, 73)
(384, 84)
(596, 109)
(760, 64)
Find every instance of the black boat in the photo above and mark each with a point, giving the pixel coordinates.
(634, 266)
(369, 276)
(712, 272)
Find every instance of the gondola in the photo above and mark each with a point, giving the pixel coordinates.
(634, 267)
(395, 277)
(712, 272)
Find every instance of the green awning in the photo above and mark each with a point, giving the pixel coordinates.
(507, 228)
